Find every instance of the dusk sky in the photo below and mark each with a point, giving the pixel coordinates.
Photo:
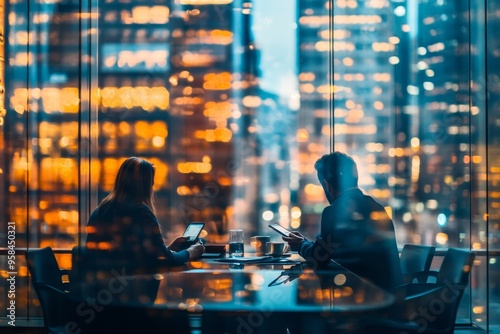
(275, 31)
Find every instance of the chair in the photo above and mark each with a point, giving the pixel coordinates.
(50, 288)
(415, 258)
(455, 268)
(431, 307)
(67, 312)
(43, 268)
(122, 304)
(94, 270)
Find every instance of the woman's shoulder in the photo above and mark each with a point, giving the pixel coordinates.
(124, 208)
(141, 207)
(141, 211)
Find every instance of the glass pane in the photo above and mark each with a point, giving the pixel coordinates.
(42, 193)
(14, 131)
(479, 141)
(3, 111)
(314, 115)
(402, 108)
(43, 115)
(492, 79)
(203, 91)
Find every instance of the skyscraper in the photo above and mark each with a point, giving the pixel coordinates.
(346, 87)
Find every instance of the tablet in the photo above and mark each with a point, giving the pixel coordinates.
(280, 229)
(193, 231)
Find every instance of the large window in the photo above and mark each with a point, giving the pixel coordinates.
(234, 101)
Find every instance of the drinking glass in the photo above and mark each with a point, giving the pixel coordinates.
(236, 243)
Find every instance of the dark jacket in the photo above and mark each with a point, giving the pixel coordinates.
(132, 231)
(357, 233)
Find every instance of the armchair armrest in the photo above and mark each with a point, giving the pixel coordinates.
(410, 296)
(57, 307)
(420, 276)
(64, 276)
(411, 290)
(48, 288)
(422, 290)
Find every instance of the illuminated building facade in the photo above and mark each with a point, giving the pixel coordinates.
(171, 88)
(153, 95)
(350, 78)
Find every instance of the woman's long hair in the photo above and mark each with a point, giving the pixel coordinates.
(134, 182)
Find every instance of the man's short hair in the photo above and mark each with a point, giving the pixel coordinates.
(338, 169)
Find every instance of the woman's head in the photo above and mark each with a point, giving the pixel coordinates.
(134, 182)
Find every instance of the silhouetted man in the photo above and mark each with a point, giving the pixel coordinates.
(356, 231)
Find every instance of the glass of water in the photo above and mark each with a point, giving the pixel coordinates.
(236, 243)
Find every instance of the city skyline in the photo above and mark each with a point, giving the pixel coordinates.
(223, 104)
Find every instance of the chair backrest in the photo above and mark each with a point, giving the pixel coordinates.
(416, 258)
(46, 279)
(456, 267)
(453, 277)
(43, 267)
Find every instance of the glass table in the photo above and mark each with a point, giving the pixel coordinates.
(276, 297)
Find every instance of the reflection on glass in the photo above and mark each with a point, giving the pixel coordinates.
(211, 287)
(338, 289)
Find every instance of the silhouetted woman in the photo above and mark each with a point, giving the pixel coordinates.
(125, 221)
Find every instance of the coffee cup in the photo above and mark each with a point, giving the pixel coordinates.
(259, 242)
(275, 248)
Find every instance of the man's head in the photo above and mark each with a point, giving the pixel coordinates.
(339, 170)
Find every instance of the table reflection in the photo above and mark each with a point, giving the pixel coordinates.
(229, 298)
(341, 290)
(193, 290)
(293, 289)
